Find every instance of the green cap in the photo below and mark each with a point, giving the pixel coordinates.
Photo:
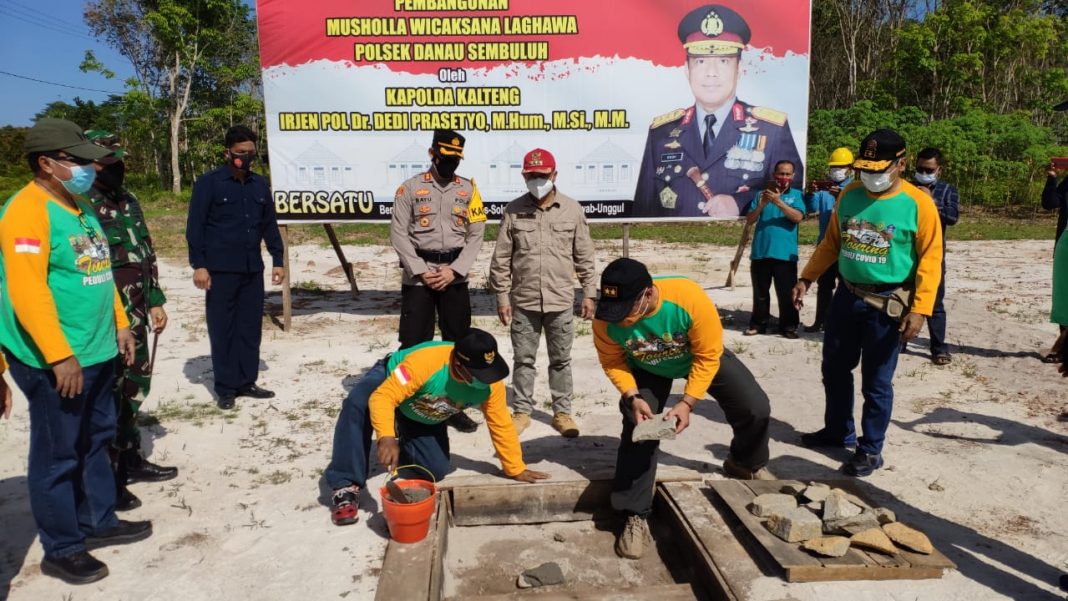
(49, 135)
(106, 139)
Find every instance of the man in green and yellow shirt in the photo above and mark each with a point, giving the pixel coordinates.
(648, 333)
(407, 398)
(886, 236)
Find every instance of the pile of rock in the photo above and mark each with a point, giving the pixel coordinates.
(828, 521)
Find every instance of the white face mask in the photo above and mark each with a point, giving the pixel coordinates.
(925, 178)
(838, 174)
(540, 187)
(877, 182)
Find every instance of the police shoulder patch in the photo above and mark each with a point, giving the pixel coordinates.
(770, 115)
(674, 115)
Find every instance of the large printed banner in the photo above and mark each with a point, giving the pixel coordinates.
(355, 88)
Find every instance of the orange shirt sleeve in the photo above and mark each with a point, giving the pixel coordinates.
(706, 340)
(401, 384)
(929, 250)
(502, 431)
(612, 357)
(121, 319)
(3, 362)
(25, 242)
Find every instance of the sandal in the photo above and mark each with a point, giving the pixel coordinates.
(941, 359)
(345, 502)
(1052, 358)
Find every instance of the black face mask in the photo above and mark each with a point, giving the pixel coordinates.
(446, 166)
(112, 176)
(242, 161)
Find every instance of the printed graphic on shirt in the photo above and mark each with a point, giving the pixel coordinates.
(434, 408)
(653, 351)
(30, 246)
(93, 259)
(866, 242)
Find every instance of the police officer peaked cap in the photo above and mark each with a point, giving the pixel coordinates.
(713, 30)
(448, 143)
(879, 150)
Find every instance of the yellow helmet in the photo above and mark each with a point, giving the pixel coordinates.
(841, 157)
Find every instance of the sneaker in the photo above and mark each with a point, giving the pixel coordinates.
(78, 568)
(122, 533)
(739, 472)
(566, 426)
(346, 501)
(862, 464)
(461, 422)
(820, 438)
(634, 539)
(521, 421)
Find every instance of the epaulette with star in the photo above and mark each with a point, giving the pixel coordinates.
(666, 118)
(770, 115)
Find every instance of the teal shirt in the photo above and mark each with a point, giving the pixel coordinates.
(878, 237)
(660, 343)
(774, 235)
(440, 396)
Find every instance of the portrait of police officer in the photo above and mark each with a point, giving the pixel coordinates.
(437, 227)
(711, 158)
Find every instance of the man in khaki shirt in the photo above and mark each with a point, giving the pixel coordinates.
(437, 228)
(544, 241)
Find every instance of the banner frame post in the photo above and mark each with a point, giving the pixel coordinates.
(626, 240)
(287, 295)
(345, 265)
(747, 232)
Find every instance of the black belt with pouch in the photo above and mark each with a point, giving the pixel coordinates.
(894, 300)
(441, 257)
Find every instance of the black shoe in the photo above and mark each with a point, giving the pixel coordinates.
(120, 534)
(255, 392)
(461, 422)
(79, 568)
(862, 464)
(139, 469)
(821, 439)
(816, 327)
(126, 500)
(789, 334)
(225, 401)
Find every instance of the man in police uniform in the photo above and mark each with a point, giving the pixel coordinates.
(711, 158)
(133, 263)
(437, 228)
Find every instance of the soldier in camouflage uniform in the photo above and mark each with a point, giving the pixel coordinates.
(133, 263)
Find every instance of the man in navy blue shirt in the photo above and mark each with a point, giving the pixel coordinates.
(230, 214)
(947, 199)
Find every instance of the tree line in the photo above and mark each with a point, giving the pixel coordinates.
(977, 78)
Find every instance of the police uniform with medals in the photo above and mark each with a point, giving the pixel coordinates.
(436, 226)
(677, 176)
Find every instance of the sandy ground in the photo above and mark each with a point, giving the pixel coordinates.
(975, 454)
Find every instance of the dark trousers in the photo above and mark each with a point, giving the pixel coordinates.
(824, 293)
(936, 323)
(235, 327)
(858, 334)
(744, 403)
(421, 444)
(419, 304)
(784, 275)
(72, 487)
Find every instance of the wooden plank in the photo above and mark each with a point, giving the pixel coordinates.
(345, 265)
(737, 496)
(440, 532)
(407, 568)
(935, 560)
(531, 504)
(660, 592)
(846, 573)
(762, 487)
(747, 231)
(853, 557)
(664, 473)
(287, 292)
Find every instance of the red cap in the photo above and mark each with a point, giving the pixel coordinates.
(539, 160)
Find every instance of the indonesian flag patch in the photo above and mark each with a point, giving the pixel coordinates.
(30, 246)
(402, 374)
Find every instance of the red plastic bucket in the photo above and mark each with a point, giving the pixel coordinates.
(409, 522)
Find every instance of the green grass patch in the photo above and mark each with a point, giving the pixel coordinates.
(195, 413)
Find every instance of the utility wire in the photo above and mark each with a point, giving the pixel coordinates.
(41, 24)
(62, 85)
(27, 8)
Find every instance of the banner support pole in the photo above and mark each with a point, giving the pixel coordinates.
(747, 232)
(287, 296)
(345, 265)
(626, 240)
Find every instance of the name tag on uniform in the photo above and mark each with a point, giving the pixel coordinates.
(671, 157)
(524, 215)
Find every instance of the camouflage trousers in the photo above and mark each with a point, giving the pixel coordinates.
(132, 382)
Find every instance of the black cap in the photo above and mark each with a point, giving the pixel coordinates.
(1062, 106)
(879, 150)
(477, 352)
(48, 135)
(713, 30)
(448, 143)
(621, 282)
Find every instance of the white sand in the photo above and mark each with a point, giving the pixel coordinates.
(975, 456)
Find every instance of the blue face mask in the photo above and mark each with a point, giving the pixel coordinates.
(81, 179)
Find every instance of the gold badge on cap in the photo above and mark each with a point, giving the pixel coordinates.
(610, 292)
(712, 25)
(871, 149)
(456, 141)
(489, 357)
